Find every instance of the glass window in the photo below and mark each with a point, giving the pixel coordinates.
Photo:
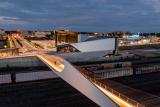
(67, 49)
(66, 39)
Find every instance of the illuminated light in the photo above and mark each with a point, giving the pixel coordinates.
(117, 100)
(51, 62)
(5, 46)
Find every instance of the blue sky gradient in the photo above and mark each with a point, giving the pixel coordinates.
(81, 15)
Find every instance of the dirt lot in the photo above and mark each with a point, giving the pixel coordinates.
(45, 42)
(144, 52)
(149, 50)
(147, 46)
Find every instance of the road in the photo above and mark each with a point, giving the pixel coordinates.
(29, 49)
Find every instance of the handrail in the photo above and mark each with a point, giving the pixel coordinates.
(121, 96)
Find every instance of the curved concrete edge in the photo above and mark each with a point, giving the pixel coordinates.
(75, 78)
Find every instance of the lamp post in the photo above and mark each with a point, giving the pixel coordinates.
(5, 46)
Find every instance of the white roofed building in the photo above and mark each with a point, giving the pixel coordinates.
(74, 45)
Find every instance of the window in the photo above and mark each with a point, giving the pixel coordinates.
(67, 49)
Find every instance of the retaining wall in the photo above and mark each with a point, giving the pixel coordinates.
(102, 58)
(27, 61)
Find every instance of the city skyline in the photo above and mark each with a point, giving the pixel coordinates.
(88, 16)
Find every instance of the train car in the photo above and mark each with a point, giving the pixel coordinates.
(146, 68)
(112, 73)
(90, 68)
(5, 78)
(83, 71)
(32, 76)
(116, 65)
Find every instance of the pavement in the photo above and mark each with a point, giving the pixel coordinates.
(11, 44)
(29, 49)
(143, 52)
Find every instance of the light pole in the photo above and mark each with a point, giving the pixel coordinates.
(5, 46)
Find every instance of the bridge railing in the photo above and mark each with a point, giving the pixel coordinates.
(121, 96)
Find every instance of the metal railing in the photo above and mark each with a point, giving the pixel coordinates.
(121, 96)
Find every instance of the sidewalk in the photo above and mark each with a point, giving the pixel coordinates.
(11, 44)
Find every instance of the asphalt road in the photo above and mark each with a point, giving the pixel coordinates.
(29, 49)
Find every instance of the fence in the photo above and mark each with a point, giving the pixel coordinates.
(119, 95)
(124, 98)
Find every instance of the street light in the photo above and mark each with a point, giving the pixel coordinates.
(5, 46)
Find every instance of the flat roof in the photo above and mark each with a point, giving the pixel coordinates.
(115, 63)
(65, 45)
(64, 32)
(9, 49)
(89, 65)
(107, 70)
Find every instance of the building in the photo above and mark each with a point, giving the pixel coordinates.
(73, 45)
(98, 33)
(15, 34)
(3, 35)
(23, 33)
(42, 34)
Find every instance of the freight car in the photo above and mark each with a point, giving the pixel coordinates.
(32, 76)
(26, 76)
(146, 68)
(90, 68)
(116, 65)
(112, 73)
(5, 78)
(103, 66)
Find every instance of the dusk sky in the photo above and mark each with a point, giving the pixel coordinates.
(81, 15)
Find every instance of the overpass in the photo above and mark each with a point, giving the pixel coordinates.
(97, 92)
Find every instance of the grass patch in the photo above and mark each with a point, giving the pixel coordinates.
(37, 45)
(50, 47)
(8, 44)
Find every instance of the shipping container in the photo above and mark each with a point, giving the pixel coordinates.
(112, 73)
(116, 65)
(91, 67)
(5, 78)
(31, 76)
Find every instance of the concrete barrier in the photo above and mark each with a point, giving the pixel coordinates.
(9, 52)
(27, 61)
(102, 58)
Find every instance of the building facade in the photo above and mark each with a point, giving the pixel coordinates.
(3, 35)
(73, 45)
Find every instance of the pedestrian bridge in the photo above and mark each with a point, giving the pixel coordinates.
(86, 85)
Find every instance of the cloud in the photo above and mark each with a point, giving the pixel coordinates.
(4, 17)
(81, 15)
(6, 4)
